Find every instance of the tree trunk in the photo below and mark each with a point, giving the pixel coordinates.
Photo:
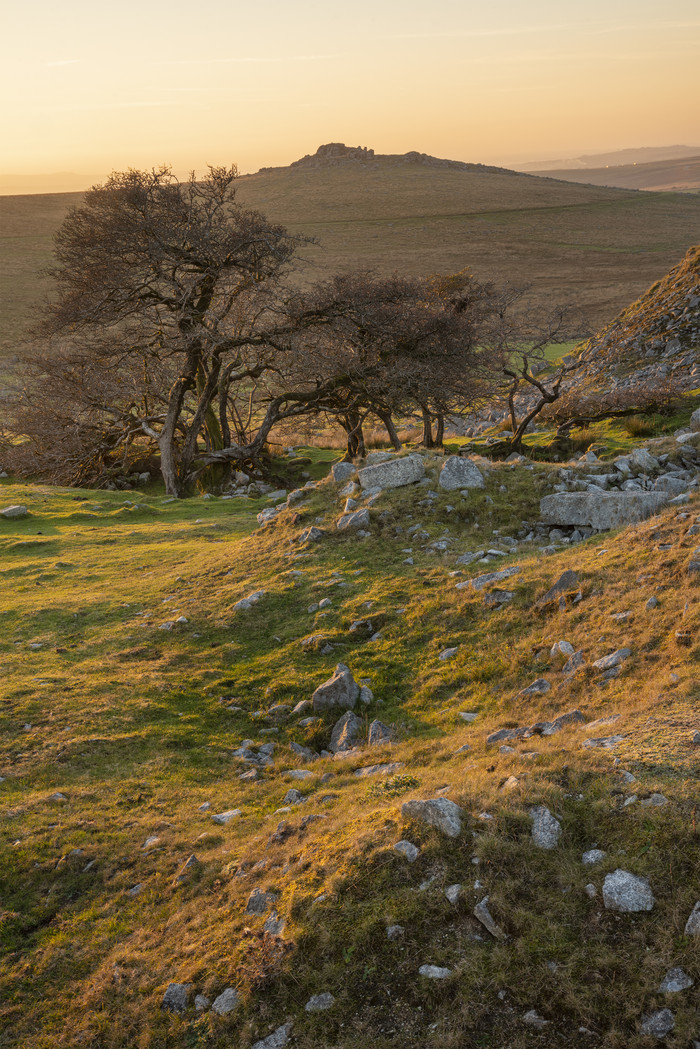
(439, 430)
(427, 441)
(390, 429)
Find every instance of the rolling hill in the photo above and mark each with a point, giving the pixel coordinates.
(677, 175)
(594, 246)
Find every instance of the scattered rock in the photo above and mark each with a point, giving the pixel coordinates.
(408, 850)
(393, 474)
(533, 1019)
(340, 690)
(658, 1024)
(453, 893)
(387, 769)
(593, 856)
(176, 997)
(545, 828)
(226, 817)
(260, 902)
(279, 1038)
(12, 513)
(434, 972)
(674, 981)
(201, 1003)
(692, 926)
(566, 585)
(536, 688)
(655, 801)
(627, 893)
(460, 473)
(448, 653)
(481, 913)
(614, 659)
(274, 925)
(318, 1003)
(353, 521)
(342, 472)
(481, 581)
(438, 812)
(226, 1002)
(346, 732)
(379, 734)
(395, 932)
(600, 510)
(189, 867)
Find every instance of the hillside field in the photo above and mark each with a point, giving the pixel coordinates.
(134, 694)
(596, 247)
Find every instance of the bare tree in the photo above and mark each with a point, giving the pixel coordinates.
(181, 277)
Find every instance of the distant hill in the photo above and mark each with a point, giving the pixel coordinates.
(679, 175)
(416, 214)
(617, 158)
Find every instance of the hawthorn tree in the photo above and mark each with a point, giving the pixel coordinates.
(155, 275)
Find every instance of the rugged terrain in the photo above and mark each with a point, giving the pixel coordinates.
(200, 847)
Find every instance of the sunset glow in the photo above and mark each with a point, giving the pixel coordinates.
(93, 88)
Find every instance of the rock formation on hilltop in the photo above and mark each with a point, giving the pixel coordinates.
(337, 154)
(656, 338)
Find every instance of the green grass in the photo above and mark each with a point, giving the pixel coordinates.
(137, 725)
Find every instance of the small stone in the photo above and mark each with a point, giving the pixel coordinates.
(537, 687)
(590, 890)
(13, 512)
(340, 690)
(658, 1024)
(453, 893)
(346, 732)
(366, 695)
(189, 867)
(226, 1002)
(545, 828)
(407, 850)
(318, 1003)
(692, 926)
(260, 902)
(533, 1019)
(379, 734)
(175, 997)
(593, 856)
(226, 817)
(201, 1003)
(274, 925)
(434, 972)
(652, 603)
(277, 1040)
(481, 913)
(655, 801)
(438, 812)
(511, 783)
(627, 893)
(674, 981)
(299, 773)
(395, 932)
(448, 653)
(614, 659)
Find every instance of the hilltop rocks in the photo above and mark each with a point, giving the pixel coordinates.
(600, 510)
(393, 474)
(340, 690)
(460, 473)
(545, 828)
(438, 812)
(627, 893)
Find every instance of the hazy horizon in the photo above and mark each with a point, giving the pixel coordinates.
(101, 89)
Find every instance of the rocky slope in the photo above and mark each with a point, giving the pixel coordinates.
(656, 338)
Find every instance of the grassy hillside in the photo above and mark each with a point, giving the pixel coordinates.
(598, 247)
(118, 746)
(679, 175)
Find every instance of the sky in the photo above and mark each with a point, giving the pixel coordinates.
(89, 88)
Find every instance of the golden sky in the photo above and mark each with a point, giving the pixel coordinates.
(90, 87)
